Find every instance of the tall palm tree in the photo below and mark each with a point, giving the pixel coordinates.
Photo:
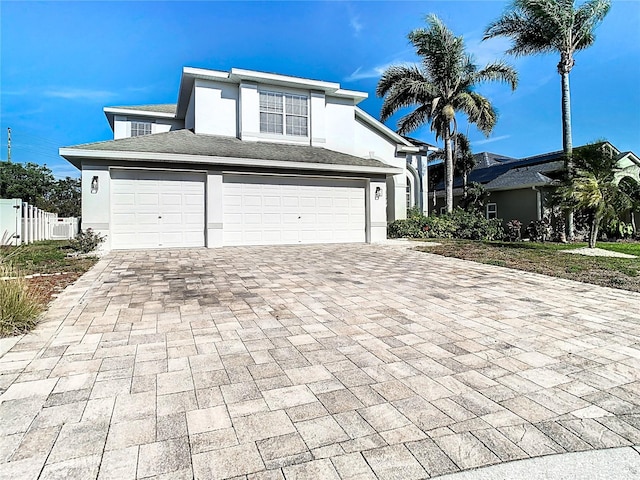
(552, 26)
(442, 85)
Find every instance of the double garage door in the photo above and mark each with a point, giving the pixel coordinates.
(152, 209)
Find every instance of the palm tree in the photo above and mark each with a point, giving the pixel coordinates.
(440, 86)
(548, 26)
(594, 187)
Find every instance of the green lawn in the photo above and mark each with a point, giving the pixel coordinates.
(549, 259)
(48, 256)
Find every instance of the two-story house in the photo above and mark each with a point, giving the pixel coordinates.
(243, 158)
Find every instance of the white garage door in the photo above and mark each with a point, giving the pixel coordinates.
(156, 209)
(289, 210)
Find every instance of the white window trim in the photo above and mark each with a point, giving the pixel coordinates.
(410, 192)
(285, 114)
(137, 123)
(492, 208)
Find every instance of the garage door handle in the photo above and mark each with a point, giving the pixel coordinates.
(159, 216)
(299, 218)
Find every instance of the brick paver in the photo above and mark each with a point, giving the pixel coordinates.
(343, 361)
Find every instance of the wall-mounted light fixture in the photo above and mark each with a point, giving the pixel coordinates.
(94, 184)
(378, 193)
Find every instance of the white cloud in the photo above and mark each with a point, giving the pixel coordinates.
(490, 140)
(487, 51)
(354, 20)
(79, 94)
(373, 72)
(356, 24)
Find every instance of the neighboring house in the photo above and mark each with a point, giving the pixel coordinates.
(243, 158)
(518, 187)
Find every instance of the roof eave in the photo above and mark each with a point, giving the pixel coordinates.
(75, 155)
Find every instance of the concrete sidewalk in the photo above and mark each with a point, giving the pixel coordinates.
(615, 463)
(324, 361)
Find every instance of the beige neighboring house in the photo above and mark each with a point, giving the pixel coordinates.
(518, 187)
(243, 158)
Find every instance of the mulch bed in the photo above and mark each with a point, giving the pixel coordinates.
(50, 286)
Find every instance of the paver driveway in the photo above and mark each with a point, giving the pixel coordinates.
(346, 361)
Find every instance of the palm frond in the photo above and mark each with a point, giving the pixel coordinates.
(497, 72)
(414, 120)
(587, 17)
(479, 110)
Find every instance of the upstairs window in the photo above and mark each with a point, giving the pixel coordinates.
(140, 128)
(284, 114)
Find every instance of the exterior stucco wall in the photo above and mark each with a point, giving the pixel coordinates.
(96, 205)
(340, 125)
(376, 199)
(520, 204)
(317, 119)
(369, 143)
(216, 105)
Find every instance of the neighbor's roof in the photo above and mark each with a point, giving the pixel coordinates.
(519, 178)
(488, 159)
(183, 143)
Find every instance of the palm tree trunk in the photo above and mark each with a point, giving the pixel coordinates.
(448, 167)
(567, 144)
(593, 233)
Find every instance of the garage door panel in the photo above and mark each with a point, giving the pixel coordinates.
(152, 209)
(272, 201)
(292, 210)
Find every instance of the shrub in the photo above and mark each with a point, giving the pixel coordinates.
(538, 230)
(470, 225)
(514, 230)
(19, 307)
(86, 241)
(409, 228)
(473, 225)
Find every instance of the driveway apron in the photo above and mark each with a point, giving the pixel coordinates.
(331, 361)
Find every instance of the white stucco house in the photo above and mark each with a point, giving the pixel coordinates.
(244, 158)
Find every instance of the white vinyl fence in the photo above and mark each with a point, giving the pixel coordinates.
(23, 223)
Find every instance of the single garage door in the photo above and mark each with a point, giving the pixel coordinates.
(156, 209)
(262, 210)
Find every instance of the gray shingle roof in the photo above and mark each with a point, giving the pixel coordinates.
(185, 142)
(518, 178)
(159, 108)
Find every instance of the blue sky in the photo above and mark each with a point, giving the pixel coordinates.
(62, 62)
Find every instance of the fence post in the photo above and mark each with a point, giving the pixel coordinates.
(36, 223)
(32, 230)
